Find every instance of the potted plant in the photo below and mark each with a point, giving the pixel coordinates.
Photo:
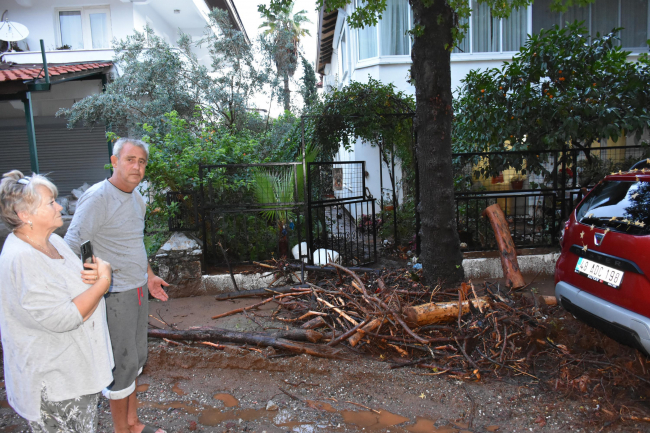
(517, 181)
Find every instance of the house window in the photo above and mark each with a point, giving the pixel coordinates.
(393, 27)
(70, 27)
(488, 34)
(84, 28)
(389, 37)
(600, 17)
(343, 55)
(367, 38)
(515, 30)
(485, 29)
(367, 42)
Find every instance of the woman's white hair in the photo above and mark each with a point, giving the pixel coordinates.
(119, 144)
(18, 193)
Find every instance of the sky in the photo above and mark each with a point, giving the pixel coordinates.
(247, 10)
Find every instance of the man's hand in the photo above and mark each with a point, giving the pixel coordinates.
(155, 284)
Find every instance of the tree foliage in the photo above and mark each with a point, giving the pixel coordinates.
(148, 87)
(285, 29)
(308, 88)
(236, 75)
(174, 157)
(375, 113)
(155, 79)
(372, 111)
(560, 89)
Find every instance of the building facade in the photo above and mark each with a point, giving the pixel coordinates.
(383, 51)
(77, 37)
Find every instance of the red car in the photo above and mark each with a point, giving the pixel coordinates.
(603, 274)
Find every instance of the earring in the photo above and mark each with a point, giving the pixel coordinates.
(31, 225)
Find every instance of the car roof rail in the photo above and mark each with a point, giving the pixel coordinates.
(644, 163)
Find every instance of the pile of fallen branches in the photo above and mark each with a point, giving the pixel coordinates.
(469, 332)
(466, 332)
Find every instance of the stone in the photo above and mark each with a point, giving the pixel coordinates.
(179, 264)
(222, 283)
(72, 207)
(271, 406)
(180, 242)
(78, 192)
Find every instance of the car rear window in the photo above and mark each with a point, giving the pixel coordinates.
(622, 206)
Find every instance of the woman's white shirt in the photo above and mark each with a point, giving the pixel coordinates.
(44, 338)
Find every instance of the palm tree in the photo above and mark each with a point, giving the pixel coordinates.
(286, 29)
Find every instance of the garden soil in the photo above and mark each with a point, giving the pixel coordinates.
(205, 389)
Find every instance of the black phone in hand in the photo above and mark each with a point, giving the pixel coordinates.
(87, 252)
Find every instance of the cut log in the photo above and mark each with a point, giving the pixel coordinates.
(374, 324)
(550, 300)
(269, 291)
(252, 338)
(506, 246)
(427, 314)
(314, 323)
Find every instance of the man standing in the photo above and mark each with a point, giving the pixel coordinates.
(110, 214)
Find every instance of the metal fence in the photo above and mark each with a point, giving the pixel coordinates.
(254, 211)
(341, 215)
(536, 190)
(184, 214)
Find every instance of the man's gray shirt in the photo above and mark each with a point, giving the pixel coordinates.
(113, 221)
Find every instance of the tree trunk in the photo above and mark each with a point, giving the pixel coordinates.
(506, 246)
(431, 70)
(287, 93)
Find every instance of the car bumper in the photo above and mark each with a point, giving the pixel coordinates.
(622, 325)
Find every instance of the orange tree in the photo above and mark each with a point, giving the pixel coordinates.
(560, 88)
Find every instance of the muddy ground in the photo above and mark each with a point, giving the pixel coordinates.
(204, 389)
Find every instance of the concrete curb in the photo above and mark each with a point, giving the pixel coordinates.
(215, 284)
(491, 267)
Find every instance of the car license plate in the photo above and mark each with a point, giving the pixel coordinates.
(601, 273)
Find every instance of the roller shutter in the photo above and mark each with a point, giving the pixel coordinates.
(69, 157)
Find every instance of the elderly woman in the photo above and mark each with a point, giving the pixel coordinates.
(57, 351)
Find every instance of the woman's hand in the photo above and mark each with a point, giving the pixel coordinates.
(95, 271)
(98, 275)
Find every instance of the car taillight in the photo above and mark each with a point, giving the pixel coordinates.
(566, 226)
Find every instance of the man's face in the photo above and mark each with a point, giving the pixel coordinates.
(130, 166)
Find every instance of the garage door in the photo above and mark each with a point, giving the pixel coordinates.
(69, 157)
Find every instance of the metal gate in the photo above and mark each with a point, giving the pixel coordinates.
(256, 212)
(341, 214)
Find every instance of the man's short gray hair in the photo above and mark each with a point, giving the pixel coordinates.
(18, 194)
(119, 144)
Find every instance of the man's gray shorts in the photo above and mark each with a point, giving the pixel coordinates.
(127, 314)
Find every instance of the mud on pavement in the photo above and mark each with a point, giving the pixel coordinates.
(201, 388)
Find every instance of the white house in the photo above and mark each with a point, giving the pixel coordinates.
(383, 51)
(77, 36)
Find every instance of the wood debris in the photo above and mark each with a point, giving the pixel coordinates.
(472, 331)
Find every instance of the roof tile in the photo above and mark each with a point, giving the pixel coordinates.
(20, 74)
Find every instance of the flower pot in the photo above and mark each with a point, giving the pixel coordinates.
(389, 207)
(517, 184)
